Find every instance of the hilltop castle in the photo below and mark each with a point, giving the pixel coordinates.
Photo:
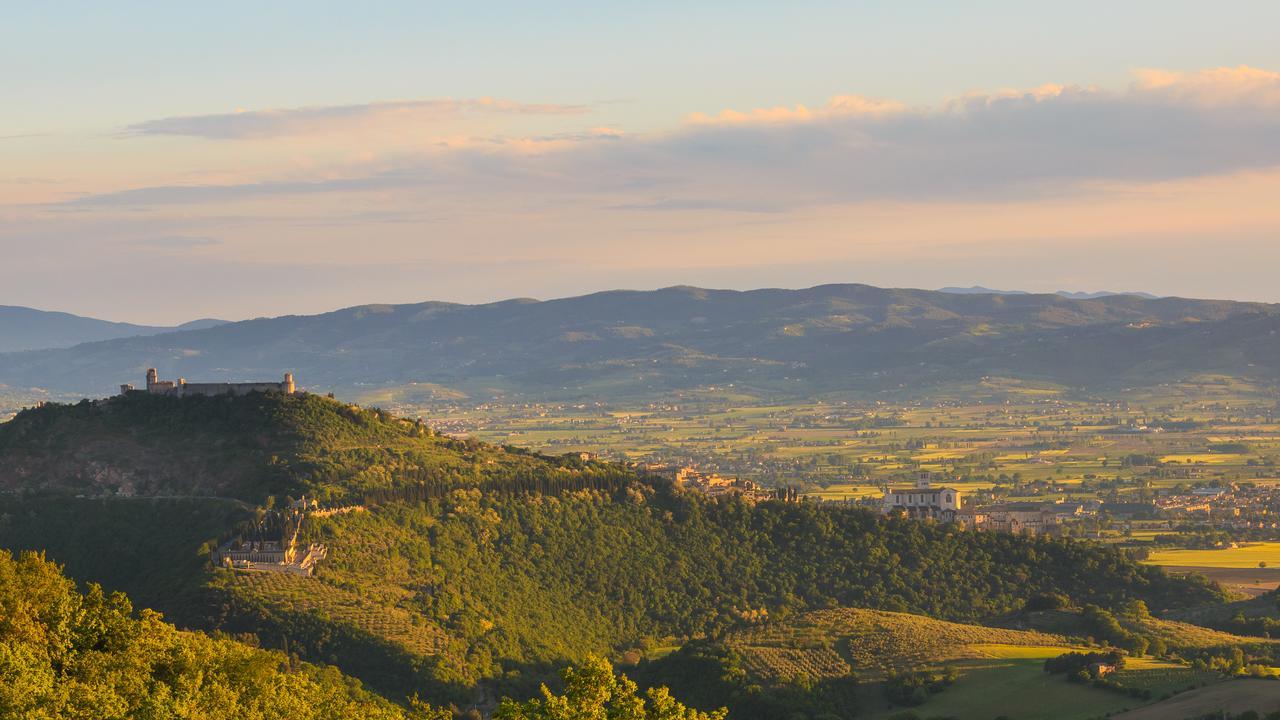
(182, 388)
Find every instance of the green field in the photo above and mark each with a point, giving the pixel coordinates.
(1246, 555)
(1016, 686)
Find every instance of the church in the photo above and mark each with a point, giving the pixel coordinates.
(923, 500)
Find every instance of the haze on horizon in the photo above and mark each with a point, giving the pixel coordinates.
(159, 164)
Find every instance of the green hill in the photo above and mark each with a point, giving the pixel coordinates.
(463, 570)
(249, 448)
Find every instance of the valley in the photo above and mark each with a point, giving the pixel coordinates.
(475, 571)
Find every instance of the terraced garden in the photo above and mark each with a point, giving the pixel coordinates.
(831, 643)
(296, 594)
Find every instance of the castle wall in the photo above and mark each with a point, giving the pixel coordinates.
(229, 388)
(181, 387)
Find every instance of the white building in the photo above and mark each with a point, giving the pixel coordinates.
(923, 500)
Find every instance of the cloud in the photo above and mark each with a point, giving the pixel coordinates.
(176, 242)
(270, 123)
(837, 106)
(1049, 141)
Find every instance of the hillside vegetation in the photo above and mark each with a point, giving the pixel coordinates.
(496, 587)
(251, 448)
(831, 643)
(66, 653)
(631, 344)
(474, 570)
(838, 663)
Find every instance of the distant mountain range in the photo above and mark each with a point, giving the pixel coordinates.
(832, 338)
(23, 328)
(979, 290)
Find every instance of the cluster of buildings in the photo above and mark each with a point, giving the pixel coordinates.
(1244, 507)
(714, 484)
(281, 553)
(182, 388)
(945, 504)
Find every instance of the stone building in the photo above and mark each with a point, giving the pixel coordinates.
(182, 388)
(923, 500)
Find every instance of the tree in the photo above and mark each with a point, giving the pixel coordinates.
(593, 692)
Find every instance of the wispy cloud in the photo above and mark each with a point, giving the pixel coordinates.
(253, 124)
(176, 242)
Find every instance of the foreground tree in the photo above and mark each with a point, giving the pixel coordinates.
(593, 692)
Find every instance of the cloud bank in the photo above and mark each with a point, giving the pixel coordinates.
(257, 124)
(1008, 145)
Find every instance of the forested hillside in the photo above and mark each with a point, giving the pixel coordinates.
(251, 448)
(832, 338)
(67, 653)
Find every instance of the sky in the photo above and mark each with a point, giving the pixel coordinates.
(161, 162)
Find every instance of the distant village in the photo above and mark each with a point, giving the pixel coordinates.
(1233, 506)
(713, 484)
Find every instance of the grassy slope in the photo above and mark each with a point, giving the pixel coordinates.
(1177, 634)
(1236, 696)
(834, 642)
(1001, 671)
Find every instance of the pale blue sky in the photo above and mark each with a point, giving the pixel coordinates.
(369, 150)
(86, 64)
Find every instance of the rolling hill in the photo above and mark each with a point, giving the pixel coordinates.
(834, 338)
(464, 570)
(23, 328)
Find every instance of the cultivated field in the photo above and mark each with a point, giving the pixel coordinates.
(1247, 555)
(1235, 696)
(1000, 671)
(307, 595)
(1032, 442)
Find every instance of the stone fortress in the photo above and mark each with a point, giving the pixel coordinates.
(182, 388)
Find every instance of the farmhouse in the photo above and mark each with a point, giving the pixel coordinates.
(923, 500)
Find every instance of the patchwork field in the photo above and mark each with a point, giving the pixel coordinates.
(1015, 439)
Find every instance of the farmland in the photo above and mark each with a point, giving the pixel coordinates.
(1236, 696)
(293, 594)
(999, 671)
(997, 441)
(1245, 555)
